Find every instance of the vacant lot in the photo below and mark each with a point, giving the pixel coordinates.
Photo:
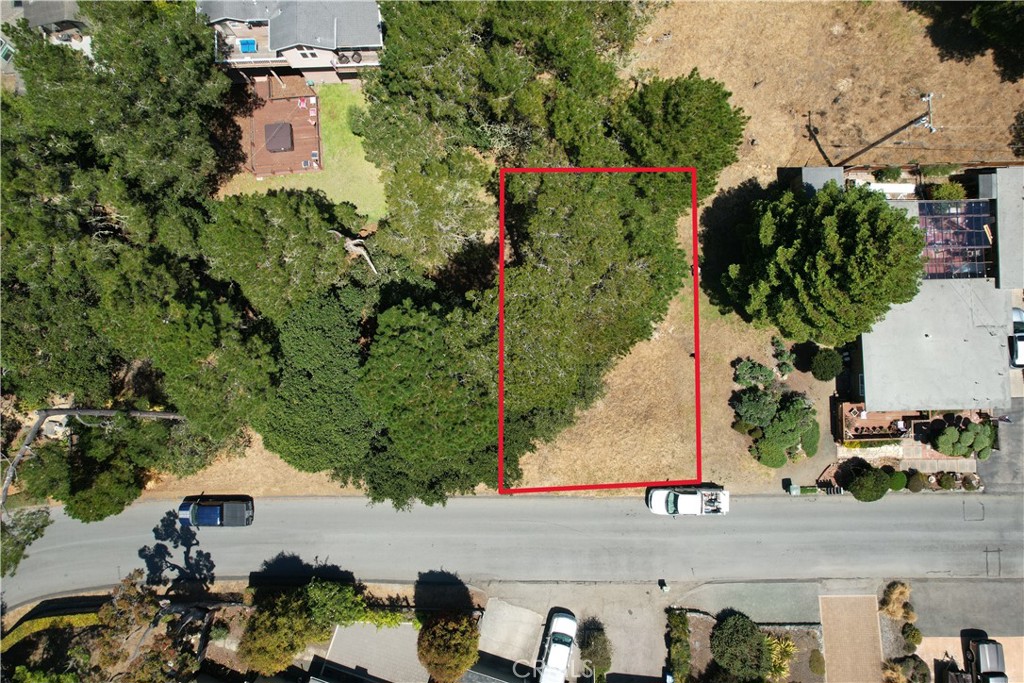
(860, 69)
(347, 175)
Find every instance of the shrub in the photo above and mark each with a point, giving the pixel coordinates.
(892, 672)
(948, 192)
(894, 597)
(597, 650)
(898, 481)
(970, 482)
(946, 440)
(816, 663)
(947, 481)
(826, 364)
(889, 174)
(276, 633)
(755, 406)
(984, 453)
(333, 603)
(27, 628)
(781, 652)
(772, 456)
(784, 358)
(738, 645)
(936, 170)
(917, 482)
(909, 615)
(447, 646)
(742, 427)
(749, 373)
(809, 440)
(219, 630)
(912, 637)
(679, 645)
(914, 669)
(870, 486)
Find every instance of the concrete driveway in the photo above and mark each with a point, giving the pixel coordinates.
(509, 639)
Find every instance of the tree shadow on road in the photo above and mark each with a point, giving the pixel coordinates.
(440, 591)
(288, 569)
(194, 575)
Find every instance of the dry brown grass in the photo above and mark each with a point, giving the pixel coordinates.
(258, 472)
(860, 68)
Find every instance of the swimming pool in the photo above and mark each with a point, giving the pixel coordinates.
(247, 45)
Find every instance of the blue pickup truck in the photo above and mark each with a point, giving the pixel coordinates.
(220, 510)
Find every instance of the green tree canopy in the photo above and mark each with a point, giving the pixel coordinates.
(448, 645)
(315, 421)
(870, 485)
(682, 122)
(738, 645)
(276, 633)
(277, 247)
(827, 267)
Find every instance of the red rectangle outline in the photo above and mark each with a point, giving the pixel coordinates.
(501, 327)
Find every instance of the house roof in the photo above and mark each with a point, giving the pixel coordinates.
(46, 12)
(333, 25)
(814, 178)
(238, 10)
(1010, 226)
(945, 349)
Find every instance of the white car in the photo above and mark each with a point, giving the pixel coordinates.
(688, 501)
(554, 662)
(1017, 340)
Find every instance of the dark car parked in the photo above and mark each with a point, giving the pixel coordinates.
(216, 510)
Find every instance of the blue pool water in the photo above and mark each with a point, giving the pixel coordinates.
(247, 45)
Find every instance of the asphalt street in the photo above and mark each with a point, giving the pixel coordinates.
(528, 538)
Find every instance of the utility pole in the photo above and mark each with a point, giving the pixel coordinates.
(924, 120)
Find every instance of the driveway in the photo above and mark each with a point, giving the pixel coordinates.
(1002, 472)
(853, 640)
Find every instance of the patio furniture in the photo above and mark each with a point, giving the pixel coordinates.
(302, 103)
(356, 57)
(312, 99)
(305, 163)
(314, 155)
(312, 113)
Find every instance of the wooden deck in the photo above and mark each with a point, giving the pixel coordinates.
(304, 116)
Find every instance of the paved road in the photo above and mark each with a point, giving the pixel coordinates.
(564, 539)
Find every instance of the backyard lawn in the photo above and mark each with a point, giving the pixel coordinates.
(347, 176)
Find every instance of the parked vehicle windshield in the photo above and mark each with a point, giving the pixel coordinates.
(561, 639)
(672, 503)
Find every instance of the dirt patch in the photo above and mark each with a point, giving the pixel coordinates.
(258, 473)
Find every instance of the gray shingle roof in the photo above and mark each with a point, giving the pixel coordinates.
(238, 10)
(945, 349)
(333, 25)
(44, 13)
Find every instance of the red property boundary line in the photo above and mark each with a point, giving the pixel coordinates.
(501, 328)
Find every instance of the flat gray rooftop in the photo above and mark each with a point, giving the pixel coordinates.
(1010, 226)
(946, 349)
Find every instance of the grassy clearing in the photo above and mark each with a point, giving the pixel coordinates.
(347, 175)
